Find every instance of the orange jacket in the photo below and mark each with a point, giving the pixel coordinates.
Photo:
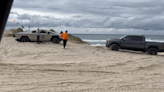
(65, 36)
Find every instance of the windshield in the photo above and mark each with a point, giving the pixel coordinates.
(52, 32)
(122, 36)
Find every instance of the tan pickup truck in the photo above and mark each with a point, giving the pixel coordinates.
(31, 36)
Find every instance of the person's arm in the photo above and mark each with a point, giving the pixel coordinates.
(5, 6)
(67, 37)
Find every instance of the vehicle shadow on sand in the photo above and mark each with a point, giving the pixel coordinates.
(139, 52)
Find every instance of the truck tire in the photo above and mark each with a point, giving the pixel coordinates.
(55, 40)
(114, 47)
(152, 51)
(24, 39)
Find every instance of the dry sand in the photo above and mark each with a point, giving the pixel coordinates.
(31, 67)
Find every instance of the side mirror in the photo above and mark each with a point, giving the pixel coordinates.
(123, 39)
(48, 32)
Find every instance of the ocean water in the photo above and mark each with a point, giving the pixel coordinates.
(100, 39)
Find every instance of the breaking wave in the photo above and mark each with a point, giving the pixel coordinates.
(86, 40)
(150, 40)
(97, 44)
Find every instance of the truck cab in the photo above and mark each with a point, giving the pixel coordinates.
(132, 42)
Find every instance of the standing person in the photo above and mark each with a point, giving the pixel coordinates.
(37, 33)
(65, 38)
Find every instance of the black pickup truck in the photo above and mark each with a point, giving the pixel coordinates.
(135, 42)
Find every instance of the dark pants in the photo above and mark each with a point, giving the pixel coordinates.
(37, 38)
(64, 43)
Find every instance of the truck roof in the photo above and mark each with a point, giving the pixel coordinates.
(135, 35)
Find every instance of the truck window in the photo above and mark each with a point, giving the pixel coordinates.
(42, 31)
(33, 31)
(138, 39)
(128, 38)
(135, 38)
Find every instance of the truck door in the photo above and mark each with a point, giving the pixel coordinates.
(125, 43)
(137, 43)
(44, 36)
(34, 36)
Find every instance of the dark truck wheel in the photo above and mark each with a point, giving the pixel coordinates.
(114, 47)
(24, 39)
(152, 51)
(55, 40)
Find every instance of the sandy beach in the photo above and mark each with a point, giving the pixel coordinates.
(47, 67)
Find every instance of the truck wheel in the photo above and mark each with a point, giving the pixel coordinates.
(55, 40)
(24, 39)
(114, 47)
(152, 51)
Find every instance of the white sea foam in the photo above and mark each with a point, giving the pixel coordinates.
(150, 40)
(97, 44)
(87, 40)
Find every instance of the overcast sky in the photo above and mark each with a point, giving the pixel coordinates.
(90, 16)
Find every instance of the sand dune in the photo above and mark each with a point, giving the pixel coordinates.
(31, 67)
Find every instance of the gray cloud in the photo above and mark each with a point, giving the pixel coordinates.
(77, 16)
(13, 12)
(24, 16)
(145, 15)
(146, 23)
